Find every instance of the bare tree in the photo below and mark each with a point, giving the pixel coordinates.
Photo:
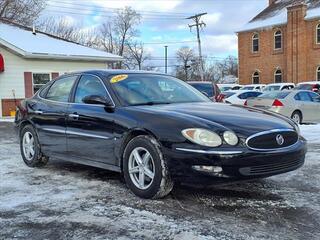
(186, 59)
(69, 31)
(21, 11)
(138, 54)
(119, 31)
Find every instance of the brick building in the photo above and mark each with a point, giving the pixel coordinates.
(281, 44)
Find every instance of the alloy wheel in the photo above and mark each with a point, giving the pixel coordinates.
(141, 168)
(28, 146)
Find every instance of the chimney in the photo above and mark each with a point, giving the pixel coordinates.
(34, 30)
(272, 2)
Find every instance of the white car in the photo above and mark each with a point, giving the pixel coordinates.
(279, 87)
(239, 97)
(228, 86)
(255, 87)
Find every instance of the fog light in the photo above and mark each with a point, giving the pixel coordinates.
(213, 169)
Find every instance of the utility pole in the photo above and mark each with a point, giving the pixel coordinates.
(166, 59)
(198, 24)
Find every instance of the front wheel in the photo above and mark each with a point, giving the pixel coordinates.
(145, 170)
(30, 148)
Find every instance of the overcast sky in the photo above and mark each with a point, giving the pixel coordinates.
(163, 20)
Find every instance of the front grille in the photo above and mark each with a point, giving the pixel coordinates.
(272, 140)
(273, 168)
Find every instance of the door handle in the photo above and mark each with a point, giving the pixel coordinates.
(73, 115)
(38, 112)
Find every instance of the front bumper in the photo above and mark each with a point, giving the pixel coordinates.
(236, 163)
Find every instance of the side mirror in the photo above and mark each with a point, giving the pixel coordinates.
(316, 99)
(99, 100)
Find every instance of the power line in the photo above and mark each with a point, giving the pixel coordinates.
(117, 9)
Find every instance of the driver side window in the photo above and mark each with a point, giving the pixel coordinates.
(87, 86)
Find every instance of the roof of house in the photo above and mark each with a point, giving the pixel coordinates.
(21, 40)
(276, 14)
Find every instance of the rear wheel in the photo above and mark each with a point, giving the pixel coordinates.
(296, 117)
(145, 170)
(30, 148)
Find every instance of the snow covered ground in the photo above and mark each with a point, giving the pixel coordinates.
(70, 201)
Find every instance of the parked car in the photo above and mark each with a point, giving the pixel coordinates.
(300, 106)
(255, 87)
(279, 87)
(228, 86)
(311, 86)
(240, 96)
(154, 129)
(210, 89)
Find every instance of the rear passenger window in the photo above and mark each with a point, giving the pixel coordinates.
(60, 89)
(304, 96)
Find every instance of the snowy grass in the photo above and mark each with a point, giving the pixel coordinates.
(311, 132)
(7, 119)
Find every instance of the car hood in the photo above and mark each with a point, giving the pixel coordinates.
(243, 120)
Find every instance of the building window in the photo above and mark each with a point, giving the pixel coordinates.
(318, 74)
(318, 34)
(278, 40)
(278, 76)
(39, 80)
(255, 43)
(256, 77)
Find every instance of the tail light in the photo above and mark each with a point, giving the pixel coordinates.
(220, 97)
(315, 88)
(246, 103)
(277, 103)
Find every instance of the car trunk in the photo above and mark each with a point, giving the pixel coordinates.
(264, 103)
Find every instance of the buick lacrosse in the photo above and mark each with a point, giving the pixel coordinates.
(155, 130)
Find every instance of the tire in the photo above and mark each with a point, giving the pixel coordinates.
(296, 117)
(29, 140)
(151, 164)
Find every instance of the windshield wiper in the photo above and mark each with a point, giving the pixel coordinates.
(150, 103)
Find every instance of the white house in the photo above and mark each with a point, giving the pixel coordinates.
(29, 59)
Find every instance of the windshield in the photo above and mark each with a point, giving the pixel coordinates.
(149, 89)
(225, 88)
(247, 88)
(204, 87)
(304, 86)
(272, 88)
(274, 95)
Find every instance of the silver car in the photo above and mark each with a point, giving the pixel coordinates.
(300, 105)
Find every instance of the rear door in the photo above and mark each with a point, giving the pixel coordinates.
(316, 106)
(90, 127)
(49, 115)
(306, 106)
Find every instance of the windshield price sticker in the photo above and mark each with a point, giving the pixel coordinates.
(118, 78)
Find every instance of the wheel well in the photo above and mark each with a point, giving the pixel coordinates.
(23, 124)
(298, 111)
(128, 138)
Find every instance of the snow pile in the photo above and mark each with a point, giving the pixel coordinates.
(6, 119)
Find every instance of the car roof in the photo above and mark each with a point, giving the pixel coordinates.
(280, 84)
(205, 82)
(253, 85)
(242, 91)
(107, 72)
(311, 82)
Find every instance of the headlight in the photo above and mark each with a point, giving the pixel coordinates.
(230, 138)
(202, 137)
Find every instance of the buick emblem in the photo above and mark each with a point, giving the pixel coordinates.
(280, 139)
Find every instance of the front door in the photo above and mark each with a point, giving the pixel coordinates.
(49, 115)
(90, 127)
